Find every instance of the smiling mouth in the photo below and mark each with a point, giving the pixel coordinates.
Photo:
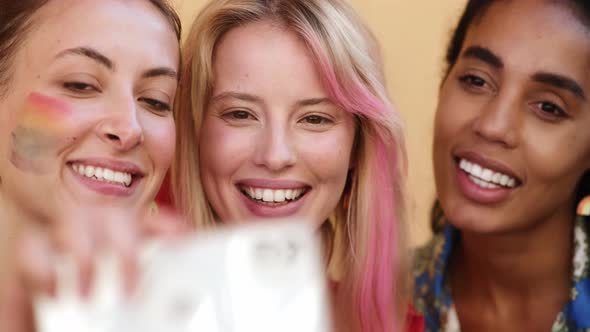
(487, 178)
(273, 197)
(107, 175)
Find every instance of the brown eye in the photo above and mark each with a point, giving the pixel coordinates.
(156, 105)
(473, 80)
(238, 115)
(551, 109)
(79, 87)
(316, 120)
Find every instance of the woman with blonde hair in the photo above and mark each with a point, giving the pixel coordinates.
(283, 112)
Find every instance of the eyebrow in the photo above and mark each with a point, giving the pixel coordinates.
(483, 54)
(561, 82)
(313, 102)
(89, 53)
(237, 95)
(255, 99)
(161, 71)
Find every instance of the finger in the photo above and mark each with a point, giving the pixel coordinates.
(120, 234)
(75, 237)
(35, 261)
(16, 311)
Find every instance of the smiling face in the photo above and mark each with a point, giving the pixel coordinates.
(272, 143)
(511, 134)
(87, 117)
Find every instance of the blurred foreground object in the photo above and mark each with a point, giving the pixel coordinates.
(262, 277)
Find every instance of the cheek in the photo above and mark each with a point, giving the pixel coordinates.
(555, 154)
(42, 128)
(160, 140)
(328, 155)
(451, 115)
(223, 149)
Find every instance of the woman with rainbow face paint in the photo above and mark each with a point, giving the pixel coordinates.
(283, 112)
(512, 163)
(86, 132)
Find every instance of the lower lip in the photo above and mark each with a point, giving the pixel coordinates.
(481, 195)
(265, 211)
(106, 188)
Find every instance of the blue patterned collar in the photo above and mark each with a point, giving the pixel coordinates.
(432, 295)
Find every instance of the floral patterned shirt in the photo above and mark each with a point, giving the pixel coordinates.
(432, 293)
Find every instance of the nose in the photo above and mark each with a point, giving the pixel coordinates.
(499, 120)
(121, 128)
(275, 149)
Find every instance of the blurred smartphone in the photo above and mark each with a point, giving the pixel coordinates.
(265, 277)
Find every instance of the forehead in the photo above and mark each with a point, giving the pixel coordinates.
(113, 27)
(534, 35)
(267, 56)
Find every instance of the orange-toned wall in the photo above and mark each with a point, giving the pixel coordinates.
(413, 35)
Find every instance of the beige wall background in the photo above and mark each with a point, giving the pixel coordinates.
(413, 36)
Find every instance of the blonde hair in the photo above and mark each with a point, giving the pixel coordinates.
(368, 224)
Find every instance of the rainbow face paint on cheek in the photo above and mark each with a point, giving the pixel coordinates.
(41, 131)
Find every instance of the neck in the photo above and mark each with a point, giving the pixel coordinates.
(516, 269)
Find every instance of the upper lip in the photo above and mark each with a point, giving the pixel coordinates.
(272, 184)
(488, 163)
(115, 165)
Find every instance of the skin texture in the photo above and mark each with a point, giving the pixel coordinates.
(270, 120)
(507, 114)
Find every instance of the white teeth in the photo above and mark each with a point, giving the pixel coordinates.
(108, 175)
(497, 178)
(267, 195)
(482, 183)
(511, 183)
(504, 180)
(272, 195)
(119, 177)
(476, 169)
(487, 175)
(279, 196)
(89, 171)
(103, 174)
(486, 178)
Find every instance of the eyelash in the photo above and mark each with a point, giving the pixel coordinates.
(80, 87)
(322, 120)
(156, 105)
(555, 113)
(243, 115)
(469, 80)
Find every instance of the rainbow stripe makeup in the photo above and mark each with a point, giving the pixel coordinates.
(584, 207)
(41, 130)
